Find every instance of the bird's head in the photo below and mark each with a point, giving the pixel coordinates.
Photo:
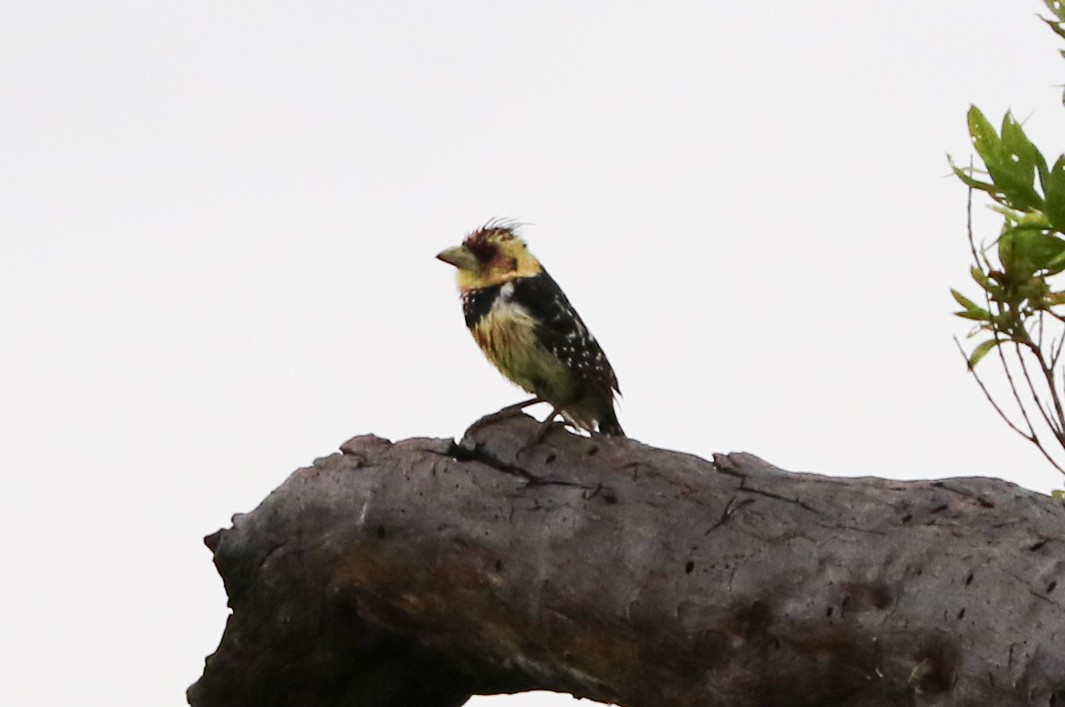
(491, 255)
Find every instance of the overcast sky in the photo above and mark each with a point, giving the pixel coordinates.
(219, 219)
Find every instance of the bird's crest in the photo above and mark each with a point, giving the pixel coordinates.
(485, 242)
(502, 255)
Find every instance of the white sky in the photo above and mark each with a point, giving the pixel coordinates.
(218, 224)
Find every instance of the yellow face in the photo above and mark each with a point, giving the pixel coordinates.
(490, 256)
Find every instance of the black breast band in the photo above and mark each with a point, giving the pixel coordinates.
(477, 303)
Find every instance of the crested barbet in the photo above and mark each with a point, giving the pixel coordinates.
(526, 326)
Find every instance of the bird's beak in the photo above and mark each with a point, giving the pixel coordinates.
(458, 256)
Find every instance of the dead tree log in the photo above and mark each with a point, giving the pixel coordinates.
(421, 572)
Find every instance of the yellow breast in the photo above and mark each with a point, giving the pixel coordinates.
(507, 335)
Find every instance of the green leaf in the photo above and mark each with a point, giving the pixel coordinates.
(1030, 158)
(1058, 493)
(1056, 7)
(982, 350)
(1059, 11)
(1056, 264)
(981, 277)
(1044, 249)
(963, 300)
(1011, 161)
(1054, 187)
(971, 311)
(1025, 251)
(1013, 262)
(1013, 167)
(1017, 144)
(965, 175)
(1012, 216)
(973, 183)
(1036, 220)
(975, 316)
(984, 137)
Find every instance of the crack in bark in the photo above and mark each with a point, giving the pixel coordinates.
(477, 453)
(780, 497)
(269, 552)
(729, 511)
(1036, 593)
(460, 453)
(840, 526)
(980, 499)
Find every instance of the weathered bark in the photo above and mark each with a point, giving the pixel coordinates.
(421, 572)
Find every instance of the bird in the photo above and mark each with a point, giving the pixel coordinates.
(525, 325)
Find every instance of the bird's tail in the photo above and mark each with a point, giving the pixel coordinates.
(609, 425)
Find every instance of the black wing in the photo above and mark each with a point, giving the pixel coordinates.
(563, 332)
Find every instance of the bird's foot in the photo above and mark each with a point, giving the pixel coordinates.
(518, 407)
(511, 410)
(541, 432)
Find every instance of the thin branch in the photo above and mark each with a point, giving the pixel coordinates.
(1039, 404)
(1013, 385)
(969, 222)
(1057, 350)
(987, 394)
(1048, 375)
(1034, 438)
